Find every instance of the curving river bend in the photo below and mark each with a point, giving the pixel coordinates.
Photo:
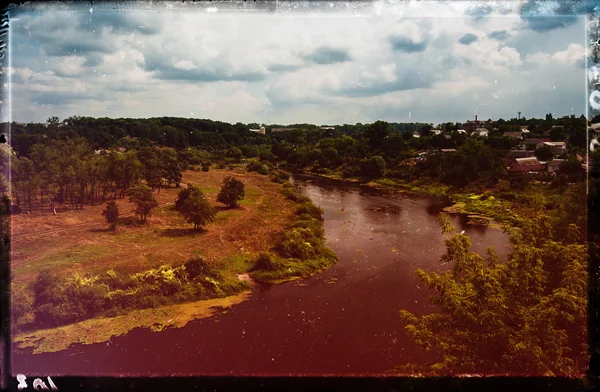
(340, 322)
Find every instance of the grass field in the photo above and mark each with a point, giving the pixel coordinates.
(79, 241)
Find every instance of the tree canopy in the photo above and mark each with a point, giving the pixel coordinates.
(231, 192)
(144, 200)
(526, 316)
(197, 209)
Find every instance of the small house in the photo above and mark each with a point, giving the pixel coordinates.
(531, 164)
(557, 147)
(261, 130)
(513, 154)
(531, 144)
(554, 165)
(483, 132)
(513, 135)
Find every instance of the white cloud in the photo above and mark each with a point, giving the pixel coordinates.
(321, 68)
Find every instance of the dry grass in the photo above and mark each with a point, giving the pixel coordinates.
(79, 240)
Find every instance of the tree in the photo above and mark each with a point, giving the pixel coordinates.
(231, 192)
(111, 214)
(197, 209)
(373, 167)
(376, 132)
(182, 197)
(145, 202)
(544, 153)
(525, 316)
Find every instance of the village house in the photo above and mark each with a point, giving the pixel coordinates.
(554, 165)
(483, 132)
(557, 147)
(513, 154)
(527, 165)
(513, 135)
(461, 131)
(328, 128)
(471, 126)
(261, 130)
(525, 128)
(531, 144)
(594, 128)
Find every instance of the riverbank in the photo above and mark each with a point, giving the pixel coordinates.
(492, 208)
(479, 211)
(103, 329)
(267, 221)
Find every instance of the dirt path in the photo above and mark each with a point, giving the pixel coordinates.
(77, 226)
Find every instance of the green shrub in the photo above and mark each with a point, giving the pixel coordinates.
(198, 267)
(290, 194)
(254, 165)
(264, 261)
(310, 209)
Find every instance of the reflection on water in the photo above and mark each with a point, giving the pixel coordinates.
(342, 321)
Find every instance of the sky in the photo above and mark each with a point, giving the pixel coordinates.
(330, 64)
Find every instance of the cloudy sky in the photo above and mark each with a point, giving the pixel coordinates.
(400, 63)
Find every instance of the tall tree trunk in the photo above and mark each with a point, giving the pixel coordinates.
(82, 194)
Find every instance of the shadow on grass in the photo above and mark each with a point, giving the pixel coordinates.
(103, 230)
(225, 208)
(182, 232)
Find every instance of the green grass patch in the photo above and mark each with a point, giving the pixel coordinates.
(65, 258)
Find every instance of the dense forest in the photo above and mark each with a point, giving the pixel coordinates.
(165, 146)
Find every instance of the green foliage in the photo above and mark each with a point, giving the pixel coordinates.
(373, 167)
(197, 209)
(182, 196)
(144, 200)
(309, 208)
(529, 313)
(232, 191)
(111, 214)
(544, 153)
(279, 176)
(265, 261)
(55, 299)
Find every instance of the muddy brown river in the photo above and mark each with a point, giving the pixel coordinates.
(341, 322)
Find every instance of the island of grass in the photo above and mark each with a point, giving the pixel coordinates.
(88, 284)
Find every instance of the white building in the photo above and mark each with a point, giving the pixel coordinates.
(261, 130)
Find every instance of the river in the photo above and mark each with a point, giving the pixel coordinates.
(340, 322)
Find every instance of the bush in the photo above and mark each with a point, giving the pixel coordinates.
(204, 168)
(290, 194)
(310, 209)
(198, 267)
(254, 165)
(279, 176)
(264, 261)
